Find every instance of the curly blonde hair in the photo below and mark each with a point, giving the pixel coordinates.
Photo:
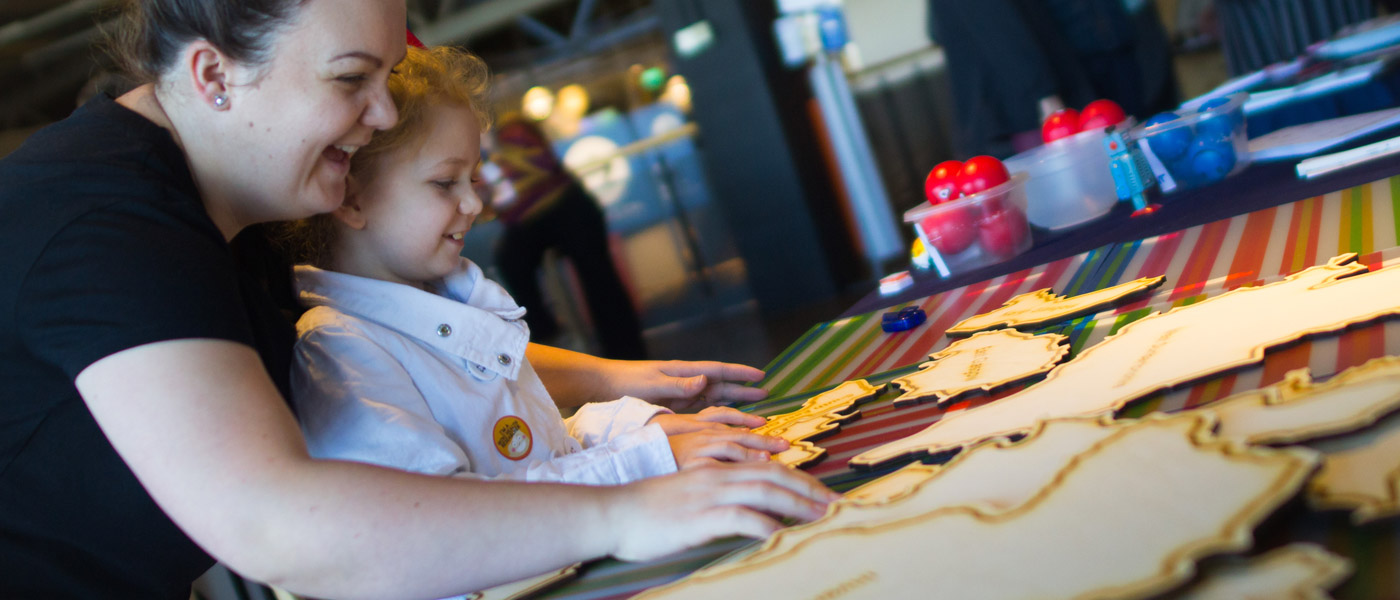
(425, 78)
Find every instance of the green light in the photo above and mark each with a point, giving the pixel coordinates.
(652, 79)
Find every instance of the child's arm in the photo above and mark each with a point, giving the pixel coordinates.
(574, 378)
(356, 402)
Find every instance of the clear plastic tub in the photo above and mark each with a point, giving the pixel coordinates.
(974, 231)
(1071, 182)
(1199, 147)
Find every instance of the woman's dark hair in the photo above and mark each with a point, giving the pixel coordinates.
(149, 34)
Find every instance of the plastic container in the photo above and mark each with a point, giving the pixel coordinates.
(1070, 180)
(974, 231)
(1198, 147)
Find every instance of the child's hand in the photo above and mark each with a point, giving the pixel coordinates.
(714, 417)
(718, 433)
(708, 446)
(684, 385)
(663, 515)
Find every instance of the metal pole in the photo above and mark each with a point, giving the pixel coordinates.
(869, 200)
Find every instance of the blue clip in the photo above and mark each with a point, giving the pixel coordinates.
(904, 319)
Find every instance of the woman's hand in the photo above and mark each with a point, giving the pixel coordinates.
(663, 515)
(684, 386)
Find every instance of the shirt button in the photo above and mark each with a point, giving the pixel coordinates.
(444, 330)
(503, 359)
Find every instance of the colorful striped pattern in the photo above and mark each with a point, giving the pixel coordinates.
(837, 351)
(1199, 262)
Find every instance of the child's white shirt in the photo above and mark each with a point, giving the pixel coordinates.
(438, 383)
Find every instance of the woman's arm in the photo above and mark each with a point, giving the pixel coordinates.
(574, 379)
(206, 433)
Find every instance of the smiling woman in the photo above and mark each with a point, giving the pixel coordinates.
(142, 374)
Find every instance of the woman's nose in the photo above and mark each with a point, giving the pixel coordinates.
(381, 113)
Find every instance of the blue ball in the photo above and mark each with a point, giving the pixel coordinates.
(1215, 128)
(1213, 103)
(1211, 161)
(1236, 116)
(1169, 144)
(1160, 118)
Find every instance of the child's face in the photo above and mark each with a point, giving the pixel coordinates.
(420, 202)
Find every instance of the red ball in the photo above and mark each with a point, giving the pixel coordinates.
(1060, 124)
(980, 173)
(1001, 232)
(1101, 113)
(952, 229)
(941, 185)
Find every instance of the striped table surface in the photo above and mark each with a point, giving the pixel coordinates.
(1199, 262)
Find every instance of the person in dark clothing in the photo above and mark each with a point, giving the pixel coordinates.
(551, 209)
(1008, 59)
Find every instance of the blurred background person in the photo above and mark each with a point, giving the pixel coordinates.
(1011, 62)
(546, 207)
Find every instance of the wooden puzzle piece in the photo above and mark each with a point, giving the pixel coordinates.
(1296, 409)
(1043, 307)
(1127, 518)
(985, 361)
(1165, 350)
(1360, 472)
(820, 415)
(998, 474)
(527, 587)
(1294, 572)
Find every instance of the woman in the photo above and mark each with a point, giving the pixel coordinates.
(139, 424)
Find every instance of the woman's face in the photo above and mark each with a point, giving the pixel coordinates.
(419, 203)
(297, 119)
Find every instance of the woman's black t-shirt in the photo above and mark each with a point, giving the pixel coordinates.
(104, 246)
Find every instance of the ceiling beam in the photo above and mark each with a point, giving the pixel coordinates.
(74, 10)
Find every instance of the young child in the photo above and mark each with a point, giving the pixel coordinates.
(409, 358)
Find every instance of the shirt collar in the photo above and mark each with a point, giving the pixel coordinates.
(466, 315)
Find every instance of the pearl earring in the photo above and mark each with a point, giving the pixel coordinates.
(220, 101)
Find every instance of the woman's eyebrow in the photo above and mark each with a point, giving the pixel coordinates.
(378, 62)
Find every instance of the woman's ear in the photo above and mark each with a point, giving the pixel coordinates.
(210, 73)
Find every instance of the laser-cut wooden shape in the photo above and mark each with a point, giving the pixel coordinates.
(1042, 307)
(998, 474)
(1295, 572)
(527, 587)
(985, 361)
(1360, 472)
(1165, 350)
(820, 415)
(1067, 541)
(1296, 409)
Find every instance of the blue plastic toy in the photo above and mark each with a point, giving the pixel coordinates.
(903, 319)
(1132, 175)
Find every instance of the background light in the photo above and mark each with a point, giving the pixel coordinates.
(538, 103)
